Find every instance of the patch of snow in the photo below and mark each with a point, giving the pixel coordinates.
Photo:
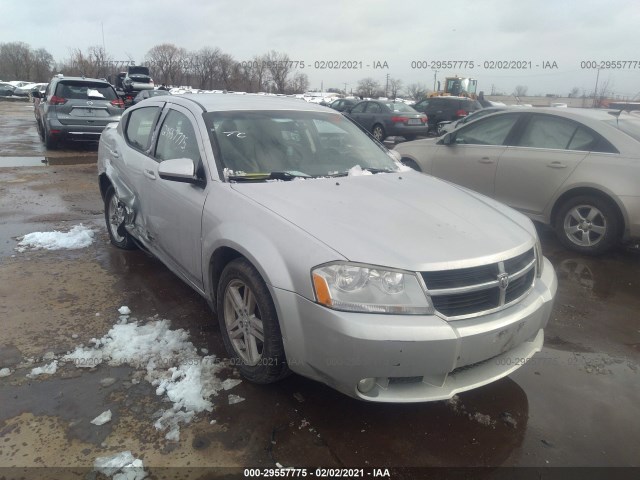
(47, 369)
(121, 466)
(5, 372)
(357, 171)
(124, 310)
(103, 418)
(170, 363)
(229, 383)
(78, 237)
(233, 399)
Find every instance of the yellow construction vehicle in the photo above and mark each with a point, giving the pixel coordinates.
(457, 87)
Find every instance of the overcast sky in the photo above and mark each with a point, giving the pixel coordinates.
(396, 32)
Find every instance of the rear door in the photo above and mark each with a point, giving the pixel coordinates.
(357, 113)
(540, 160)
(471, 160)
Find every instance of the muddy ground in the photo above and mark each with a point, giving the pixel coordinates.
(575, 404)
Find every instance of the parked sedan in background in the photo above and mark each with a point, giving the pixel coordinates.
(577, 170)
(386, 284)
(446, 109)
(6, 89)
(144, 94)
(447, 126)
(385, 118)
(344, 104)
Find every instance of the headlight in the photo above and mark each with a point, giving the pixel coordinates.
(539, 258)
(365, 288)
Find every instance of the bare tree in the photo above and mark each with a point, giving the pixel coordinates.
(416, 91)
(395, 85)
(167, 61)
(298, 84)
(278, 65)
(16, 61)
(600, 95)
(225, 69)
(368, 87)
(574, 93)
(521, 91)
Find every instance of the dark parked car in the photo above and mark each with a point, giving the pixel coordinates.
(385, 118)
(76, 108)
(148, 94)
(344, 104)
(6, 89)
(446, 109)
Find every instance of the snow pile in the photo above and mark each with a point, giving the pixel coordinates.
(458, 407)
(170, 361)
(121, 466)
(357, 171)
(78, 237)
(5, 372)
(103, 418)
(47, 369)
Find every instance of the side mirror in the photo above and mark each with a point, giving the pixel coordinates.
(36, 94)
(446, 140)
(178, 170)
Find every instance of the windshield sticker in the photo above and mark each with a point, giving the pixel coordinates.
(235, 133)
(173, 135)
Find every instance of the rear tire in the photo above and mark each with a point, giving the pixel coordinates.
(588, 224)
(249, 324)
(49, 141)
(114, 218)
(378, 132)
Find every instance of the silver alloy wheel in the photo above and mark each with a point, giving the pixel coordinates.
(243, 322)
(378, 133)
(116, 218)
(585, 225)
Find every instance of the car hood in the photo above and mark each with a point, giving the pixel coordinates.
(404, 220)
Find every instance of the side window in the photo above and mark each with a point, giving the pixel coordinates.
(545, 131)
(177, 139)
(373, 108)
(140, 127)
(490, 131)
(582, 140)
(359, 108)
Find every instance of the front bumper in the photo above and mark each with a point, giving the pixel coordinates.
(412, 358)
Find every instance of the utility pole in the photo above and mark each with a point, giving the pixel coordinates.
(345, 88)
(595, 91)
(386, 90)
(435, 78)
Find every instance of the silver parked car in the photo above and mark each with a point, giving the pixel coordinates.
(320, 253)
(577, 170)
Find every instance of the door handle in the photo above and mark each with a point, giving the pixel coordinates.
(486, 160)
(556, 164)
(115, 154)
(150, 174)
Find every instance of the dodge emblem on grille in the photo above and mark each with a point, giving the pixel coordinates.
(503, 281)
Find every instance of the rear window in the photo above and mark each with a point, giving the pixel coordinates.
(81, 90)
(399, 107)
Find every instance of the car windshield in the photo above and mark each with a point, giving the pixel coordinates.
(631, 127)
(297, 143)
(399, 107)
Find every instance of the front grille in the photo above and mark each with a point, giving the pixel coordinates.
(467, 303)
(464, 292)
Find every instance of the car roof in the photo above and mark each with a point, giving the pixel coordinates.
(81, 79)
(219, 102)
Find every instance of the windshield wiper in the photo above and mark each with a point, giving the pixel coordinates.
(261, 177)
(368, 169)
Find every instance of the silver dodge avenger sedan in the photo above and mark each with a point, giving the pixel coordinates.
(320, 253)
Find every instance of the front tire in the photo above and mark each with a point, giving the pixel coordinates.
(411, 164)
(588, 224)
(114, 218)
(249, 324)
